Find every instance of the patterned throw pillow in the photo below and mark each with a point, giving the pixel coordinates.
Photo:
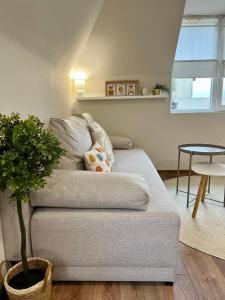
(97, 159)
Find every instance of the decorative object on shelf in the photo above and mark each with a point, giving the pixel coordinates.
(28, 154)
(161, 89)
(174, 105)
(79, 80)
(145, 91)
(110, 89)
(131, 88)
(121, 88)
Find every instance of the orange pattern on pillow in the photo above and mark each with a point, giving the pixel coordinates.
(99, 169)
(100, 149)
(97, 159)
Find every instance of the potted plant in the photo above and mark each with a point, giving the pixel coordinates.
(161, 88)
(28, 154)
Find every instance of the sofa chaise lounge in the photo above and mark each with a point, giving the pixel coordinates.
(99, 243)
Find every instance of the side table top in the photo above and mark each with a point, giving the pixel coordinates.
(209, 169)
(202, 149)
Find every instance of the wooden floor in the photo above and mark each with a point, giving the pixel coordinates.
(199, 276)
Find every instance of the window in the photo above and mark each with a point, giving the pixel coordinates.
(198, 77)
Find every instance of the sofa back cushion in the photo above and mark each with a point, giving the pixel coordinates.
(86, 189)
(74, 137)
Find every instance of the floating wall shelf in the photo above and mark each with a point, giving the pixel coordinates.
(96, 98)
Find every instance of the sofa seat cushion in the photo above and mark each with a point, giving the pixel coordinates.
(86, 189)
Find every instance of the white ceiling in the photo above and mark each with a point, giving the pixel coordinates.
(53, 29)
(133, 39)
(204, 7)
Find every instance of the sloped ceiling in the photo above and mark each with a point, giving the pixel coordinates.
(126, 33)
(55, 30)
(133, 37)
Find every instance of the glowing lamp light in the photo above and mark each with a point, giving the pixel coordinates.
(79, 79)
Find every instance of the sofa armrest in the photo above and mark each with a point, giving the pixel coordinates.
(120, 142)
(85, 189)
(11, 229)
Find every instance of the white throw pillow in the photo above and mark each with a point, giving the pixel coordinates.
(99, 135)
(97, 159)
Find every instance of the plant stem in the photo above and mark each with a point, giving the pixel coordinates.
(23, 237)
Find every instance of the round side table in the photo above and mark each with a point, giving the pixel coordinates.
(196, 149)
(206, 170)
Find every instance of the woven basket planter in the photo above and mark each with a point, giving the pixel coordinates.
(39, 291)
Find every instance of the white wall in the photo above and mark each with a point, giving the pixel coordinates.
(55, 30)
(39, 40)
(138, 41)
(29, 85)
(132, 39)
(151, 126)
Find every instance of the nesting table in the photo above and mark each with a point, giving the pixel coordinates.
(206, 170)
(196, 149)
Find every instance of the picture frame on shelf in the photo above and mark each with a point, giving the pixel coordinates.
(110, 89)
(131, 89)
(121, 88)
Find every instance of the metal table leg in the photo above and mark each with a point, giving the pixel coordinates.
(224, 197)
(209, 183)
(189, 179)
(178, 171)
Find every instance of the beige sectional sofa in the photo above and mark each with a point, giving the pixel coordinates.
(121, 226)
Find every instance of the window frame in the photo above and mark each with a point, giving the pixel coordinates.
(216, 97)
(221, 65)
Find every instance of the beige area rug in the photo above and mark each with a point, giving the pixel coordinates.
(207, 231)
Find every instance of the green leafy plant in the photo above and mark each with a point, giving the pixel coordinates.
(28, 154)
(162, 87)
